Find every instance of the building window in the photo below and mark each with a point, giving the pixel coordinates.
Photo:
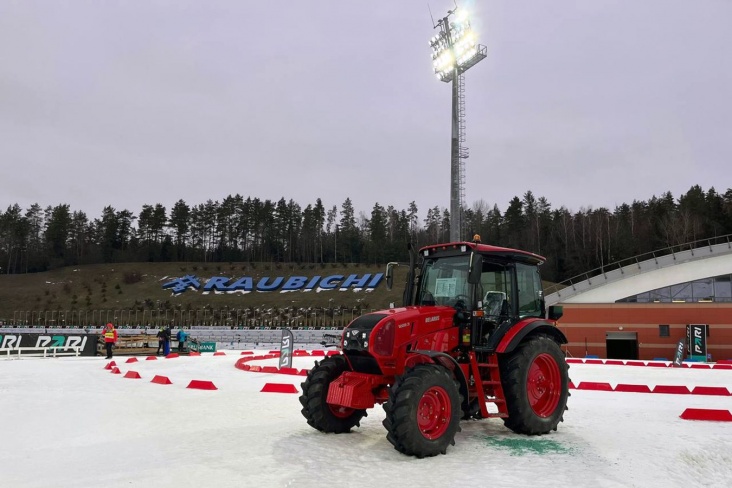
(664, 331)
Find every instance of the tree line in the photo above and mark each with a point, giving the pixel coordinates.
(238, 229)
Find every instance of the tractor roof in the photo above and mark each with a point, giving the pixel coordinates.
(486, 250)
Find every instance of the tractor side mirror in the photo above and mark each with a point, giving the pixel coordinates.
(390, 274)
(476, 268)
(555, 312)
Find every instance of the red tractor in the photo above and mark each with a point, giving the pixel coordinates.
(472, 332)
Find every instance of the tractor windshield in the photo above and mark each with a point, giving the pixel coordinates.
(444, 281)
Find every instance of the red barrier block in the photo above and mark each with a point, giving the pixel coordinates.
(269, 369)
(591, 385)
(132, 374)
(239, 364)
(571, 386)
(657, 365)
(275, 352)
(574, 361)
(131, 360)
(633, 388)
(635, 363)
(722, 366)
(332, 353)
(303, 372)
(300, 352)
(287, 371)
(671, 389)
(244, 353)
(219, 353)
(594, 361)
(255, 369)
(614, 362)
(194, 353)
(201, 385)
(710, 390)
(317, 353)
(707, 414)
(161, 380)
(172, 355)
(700, 366)
(115, 370)
(279, 388)
(110, 365)
(151, 358)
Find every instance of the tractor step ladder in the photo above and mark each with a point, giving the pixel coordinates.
(488, 377)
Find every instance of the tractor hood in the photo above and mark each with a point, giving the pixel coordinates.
(382, 332)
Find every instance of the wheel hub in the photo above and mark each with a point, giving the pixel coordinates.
(434, 412)
(544, 385)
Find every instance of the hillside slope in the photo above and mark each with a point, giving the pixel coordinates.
(134, 293)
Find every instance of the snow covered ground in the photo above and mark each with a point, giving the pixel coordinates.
(68, 422)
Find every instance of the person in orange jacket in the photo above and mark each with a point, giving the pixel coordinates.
(110, 337)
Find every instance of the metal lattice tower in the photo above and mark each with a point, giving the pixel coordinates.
(463, 152)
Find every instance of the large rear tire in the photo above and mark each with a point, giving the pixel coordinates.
(535, 382)
(423, 411)
(316, 410)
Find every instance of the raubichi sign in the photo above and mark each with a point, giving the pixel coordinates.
(247, 284)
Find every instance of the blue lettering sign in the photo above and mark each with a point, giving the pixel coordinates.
(294, 283)
(216, 283)
(356, 282)
(246, 284)
(263, 286)
(313, 283)
(179, 285)
(330, 282)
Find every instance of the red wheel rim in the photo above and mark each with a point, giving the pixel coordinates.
(434, 412)
(543, 385)
(340, 412)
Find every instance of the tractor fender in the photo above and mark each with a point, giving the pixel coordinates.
(448, 362)
(523, 329)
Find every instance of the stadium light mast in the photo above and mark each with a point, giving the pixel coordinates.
(454, 51)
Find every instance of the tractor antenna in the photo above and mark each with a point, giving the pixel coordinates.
(434, 26)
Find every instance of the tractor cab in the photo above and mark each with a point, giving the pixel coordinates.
(491, 288)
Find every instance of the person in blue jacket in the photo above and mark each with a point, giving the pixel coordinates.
(181, 336)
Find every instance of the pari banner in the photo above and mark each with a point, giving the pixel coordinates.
(697, 337)
(248, 284)
(87, 344)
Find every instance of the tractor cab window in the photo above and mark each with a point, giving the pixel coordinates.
(530, 295)
(496, 284)
(444, 281)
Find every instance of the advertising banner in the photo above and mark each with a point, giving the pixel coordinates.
(197, 346)
(33, 343)
(697, 341)
(679, 356)
(286, 345)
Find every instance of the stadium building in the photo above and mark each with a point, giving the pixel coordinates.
(642, 307)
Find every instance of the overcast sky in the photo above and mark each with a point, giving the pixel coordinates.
(590, 104)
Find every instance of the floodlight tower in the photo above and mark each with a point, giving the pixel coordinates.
(454, 51)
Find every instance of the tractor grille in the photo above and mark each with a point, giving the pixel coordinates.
(356, 345)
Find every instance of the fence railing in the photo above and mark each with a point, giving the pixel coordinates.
(224, 317)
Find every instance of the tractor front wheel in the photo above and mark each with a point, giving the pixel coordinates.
(535, 381)
(423, 411)
(317, 411)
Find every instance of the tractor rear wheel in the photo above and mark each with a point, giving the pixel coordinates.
(535, 382)
(423, 411)
(317, 411)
